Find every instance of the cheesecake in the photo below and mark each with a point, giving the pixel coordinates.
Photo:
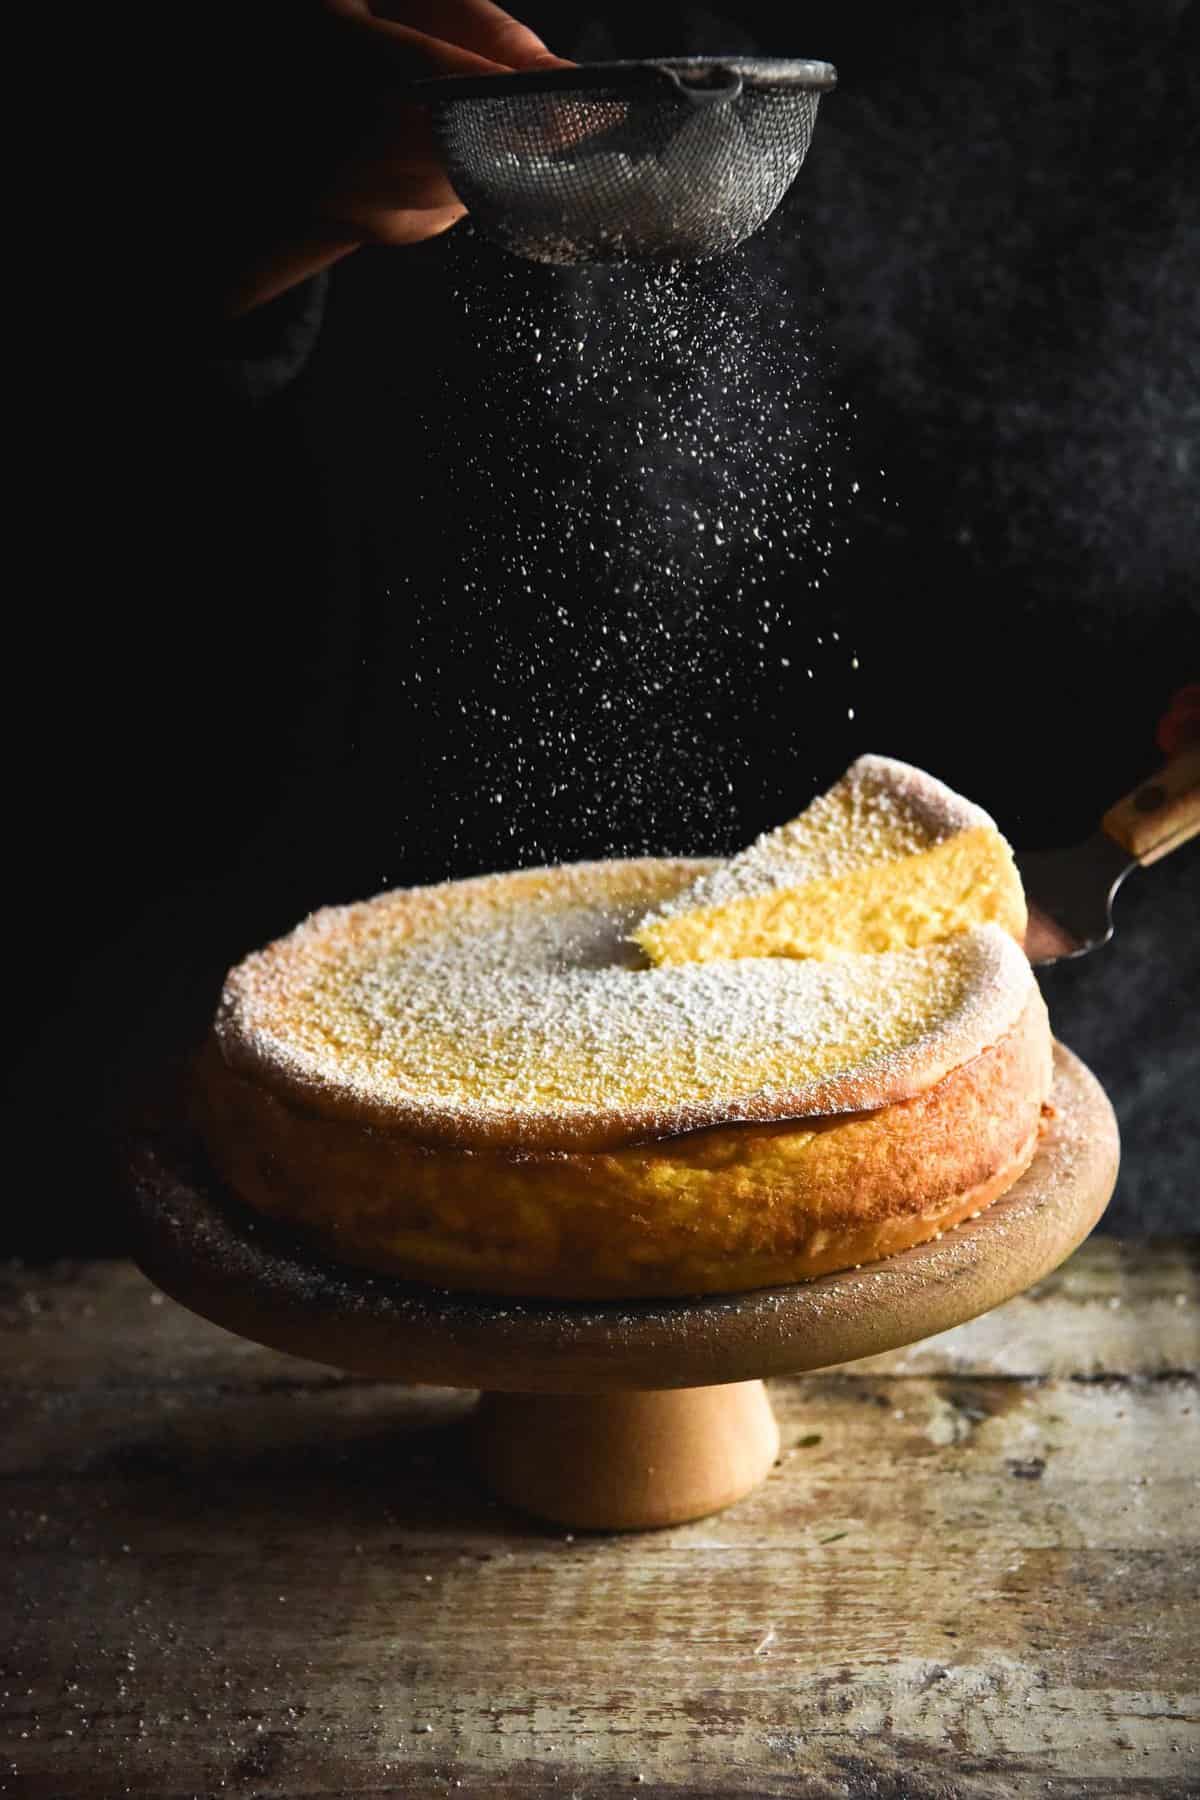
(500, 1084)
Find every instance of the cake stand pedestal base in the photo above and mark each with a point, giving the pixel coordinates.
(620, 1462)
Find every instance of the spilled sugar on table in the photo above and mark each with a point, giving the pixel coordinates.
(972, 1573)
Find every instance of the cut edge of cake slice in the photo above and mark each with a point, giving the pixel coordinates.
(887, 858)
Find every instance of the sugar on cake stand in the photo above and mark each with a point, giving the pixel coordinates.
(630, 1413)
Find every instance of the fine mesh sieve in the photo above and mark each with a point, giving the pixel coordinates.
(671, 160)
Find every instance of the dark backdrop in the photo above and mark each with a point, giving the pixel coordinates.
(268, 626)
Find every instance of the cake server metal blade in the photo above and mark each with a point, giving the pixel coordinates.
(1070, 892)
(1070, 895)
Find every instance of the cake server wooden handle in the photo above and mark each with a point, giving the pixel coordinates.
(1161, 814)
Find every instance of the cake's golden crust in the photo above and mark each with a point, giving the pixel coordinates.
(720, 1210)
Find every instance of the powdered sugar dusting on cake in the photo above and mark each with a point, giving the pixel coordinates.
(513, 1009)
(881, 809)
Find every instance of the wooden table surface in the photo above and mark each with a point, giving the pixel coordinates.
(973, 1573)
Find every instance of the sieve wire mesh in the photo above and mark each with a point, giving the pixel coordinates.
(667, 161)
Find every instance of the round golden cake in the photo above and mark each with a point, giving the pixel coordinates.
(485, 1085)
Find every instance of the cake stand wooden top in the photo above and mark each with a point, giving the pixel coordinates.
(215, 1257)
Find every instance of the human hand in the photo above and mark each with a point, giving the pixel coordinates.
(365, 167)
(391, 187)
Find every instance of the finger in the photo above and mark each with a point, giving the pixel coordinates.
(391, 185)
(477, 25)
(408, 52)
(400, 166)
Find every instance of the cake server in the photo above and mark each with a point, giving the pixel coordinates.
(1070, 892)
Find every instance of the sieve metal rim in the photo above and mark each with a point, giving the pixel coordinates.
(759, 74)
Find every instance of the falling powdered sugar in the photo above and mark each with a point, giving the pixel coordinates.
(654, 480)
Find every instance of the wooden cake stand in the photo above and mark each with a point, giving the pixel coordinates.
(629, 1413)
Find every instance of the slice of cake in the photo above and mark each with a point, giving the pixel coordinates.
(888, 859)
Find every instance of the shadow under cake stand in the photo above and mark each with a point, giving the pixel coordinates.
(630, 1413)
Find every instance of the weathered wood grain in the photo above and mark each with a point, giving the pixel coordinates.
(973, 1575)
